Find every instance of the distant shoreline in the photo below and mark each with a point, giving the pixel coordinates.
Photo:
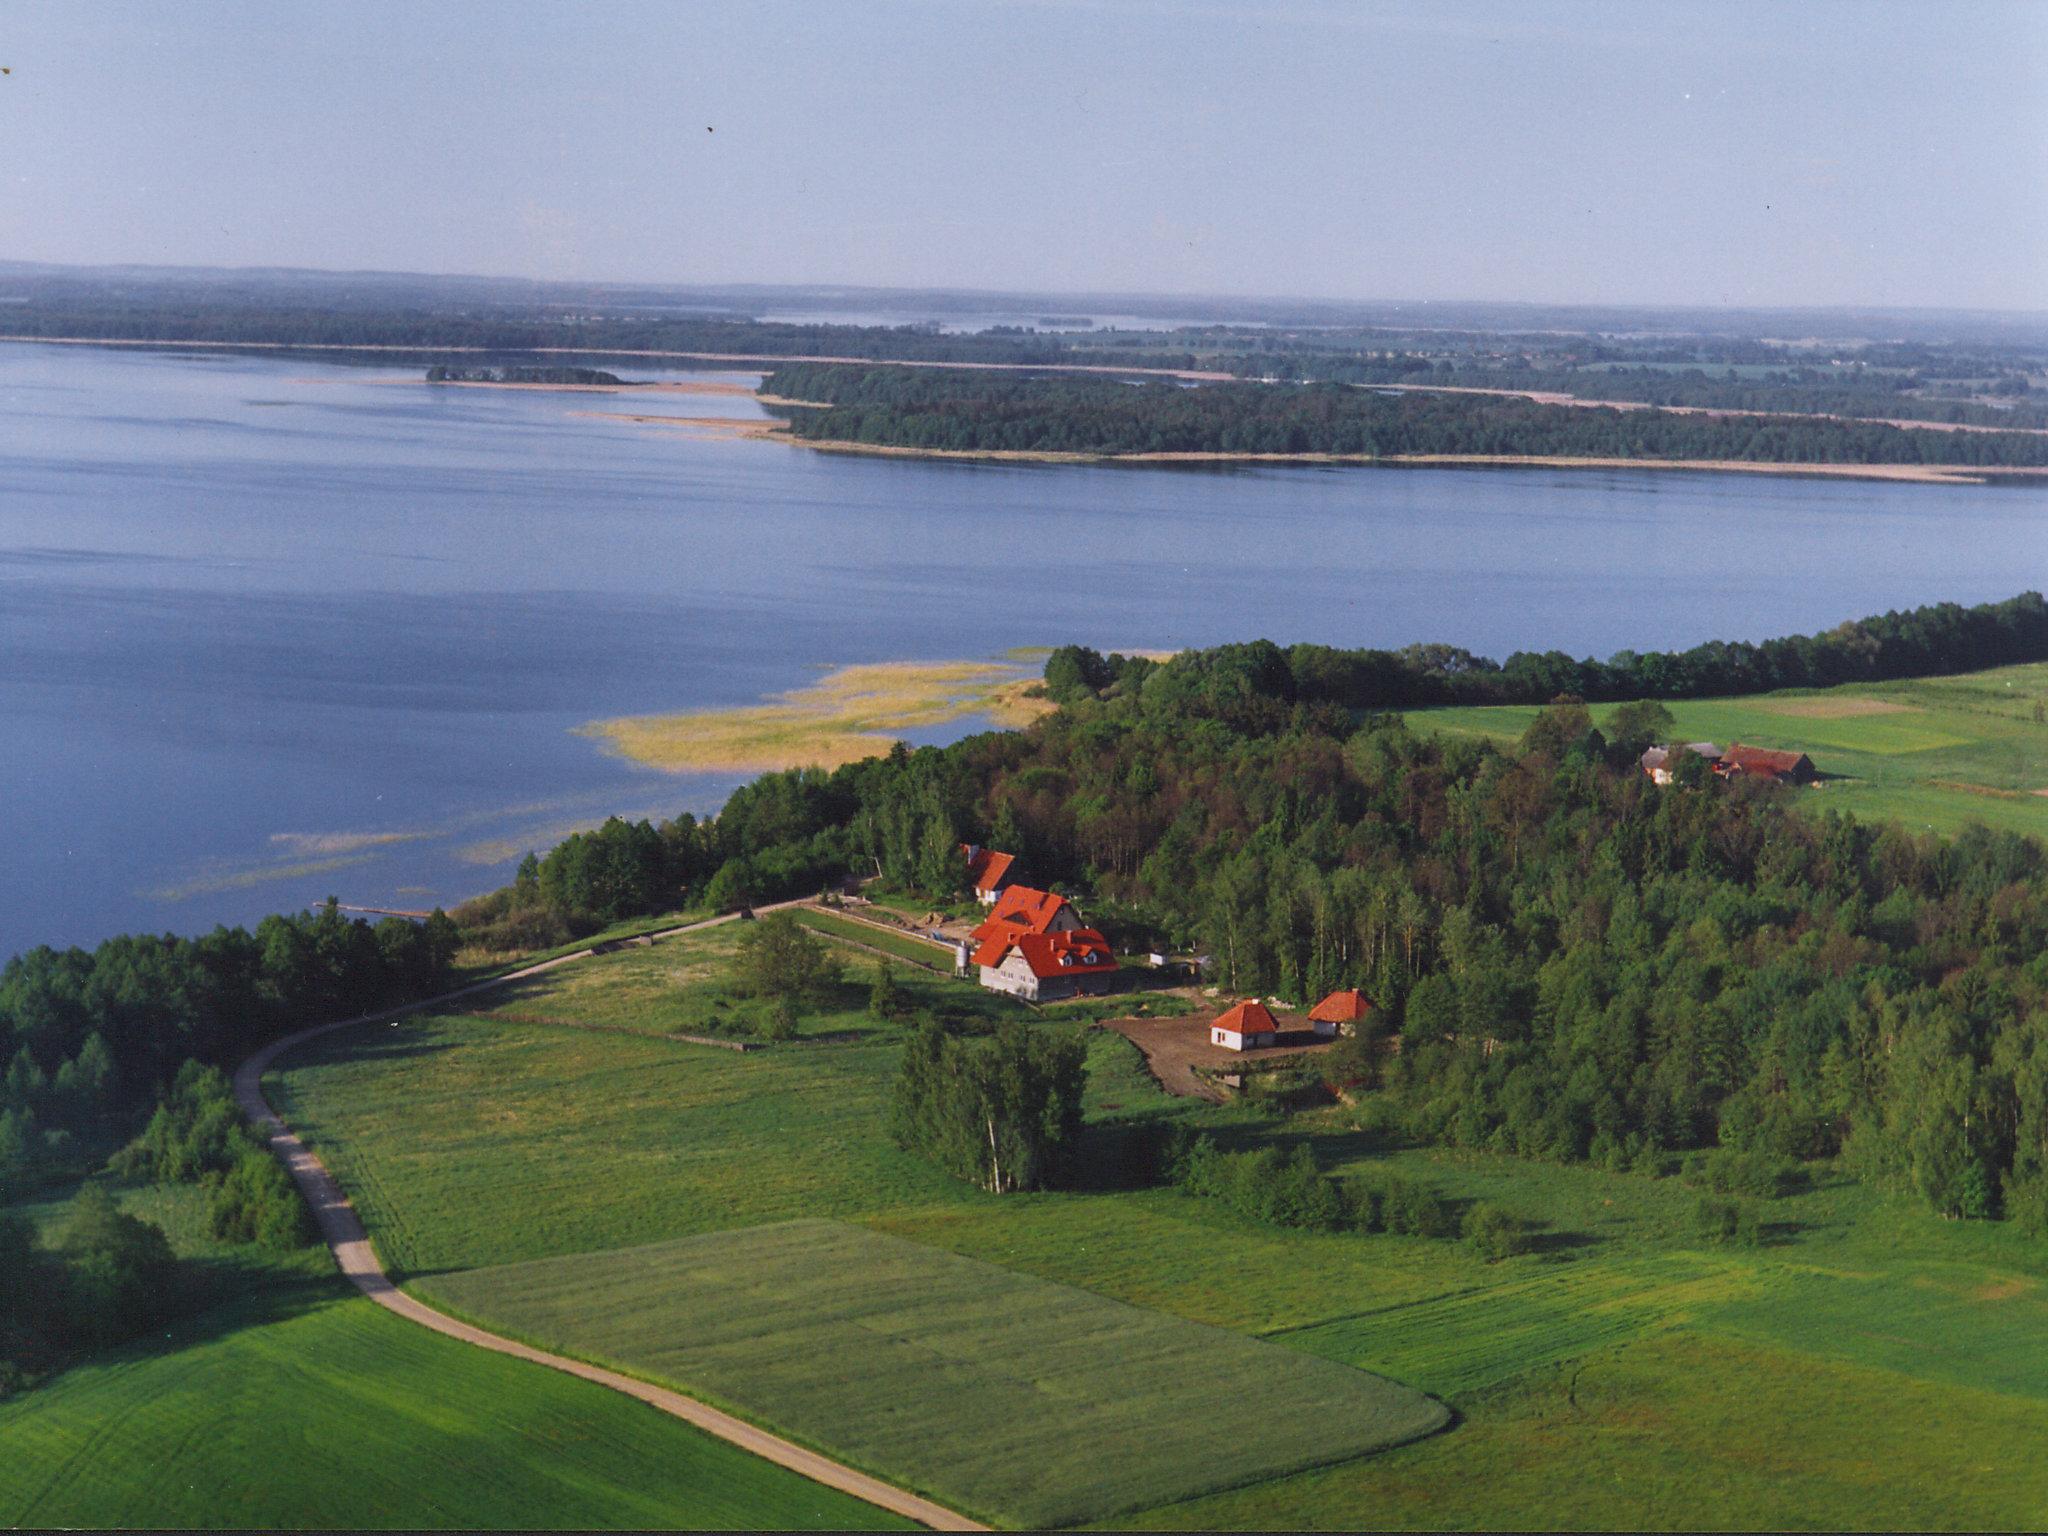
(777, 431)
(773, 359)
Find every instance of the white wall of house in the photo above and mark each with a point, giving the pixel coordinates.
(1012, 976)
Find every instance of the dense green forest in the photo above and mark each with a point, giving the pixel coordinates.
(977, 412)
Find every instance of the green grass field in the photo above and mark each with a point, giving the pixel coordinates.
(901, 945)
(282, 1398)
(1935, 753)
(1007, 1396)
(1872, 1365)
(318, 1409)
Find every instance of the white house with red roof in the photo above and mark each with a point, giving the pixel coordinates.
(1048, 967)
(1246, 1027)
(987, 871)
(1033, 946)
(1339, 1013)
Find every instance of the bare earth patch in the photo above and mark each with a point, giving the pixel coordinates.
(1831, 708)
(1982, 789)
(848, 715)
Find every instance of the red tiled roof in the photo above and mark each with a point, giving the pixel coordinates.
(1764, 760)
(1019, 909)
(986, 868)
(1071, 952)
(1341, 1007)
(1249, 1018)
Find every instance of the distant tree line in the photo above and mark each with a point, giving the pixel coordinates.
(92, 1039)
(513, 331)
(941, 409)
(442, 373)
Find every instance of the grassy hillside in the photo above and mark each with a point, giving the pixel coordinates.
(295, 1403)
(1870, 1365)
(994, 1391)
(1935, 753)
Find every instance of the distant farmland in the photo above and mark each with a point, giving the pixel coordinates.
(1934, 753)
(1005, 1395)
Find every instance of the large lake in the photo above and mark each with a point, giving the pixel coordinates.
(271, 629)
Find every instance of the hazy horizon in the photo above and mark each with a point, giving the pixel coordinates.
(1745, 156)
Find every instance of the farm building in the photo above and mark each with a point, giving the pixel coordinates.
(1246, 1027)
(1660, 762)
(987, 871)
(1047, 967)
(1339, 1013)
(1762, 763)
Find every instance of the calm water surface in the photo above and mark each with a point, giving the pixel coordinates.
(271, 629)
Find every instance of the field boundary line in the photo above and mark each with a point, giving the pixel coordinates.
(349, 1241)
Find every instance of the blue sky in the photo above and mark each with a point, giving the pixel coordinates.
(1726, 153)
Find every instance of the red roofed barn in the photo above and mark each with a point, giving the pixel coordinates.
(1245, 1027)
(1762, 763)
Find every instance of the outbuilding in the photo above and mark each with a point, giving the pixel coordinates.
(987, 871)
(1246, 1027)
(1763, 763)
(1340, 1013)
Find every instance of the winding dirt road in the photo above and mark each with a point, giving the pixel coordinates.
(345, 1236)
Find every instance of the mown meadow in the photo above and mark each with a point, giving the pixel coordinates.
(1011, 1397)
(1934, 753)
(1868, 1363)
(381, 1423)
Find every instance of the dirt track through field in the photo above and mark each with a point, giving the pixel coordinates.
(350, 1243)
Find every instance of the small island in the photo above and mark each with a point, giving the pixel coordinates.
(442, 374)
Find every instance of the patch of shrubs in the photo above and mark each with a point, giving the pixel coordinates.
(110, 1277)
(1730, 1222)
(197, 1135)
(1287, 1189)
(1493, 1234)
(1733, 1171)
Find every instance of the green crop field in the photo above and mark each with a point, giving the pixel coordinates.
(1934, 754)
(1004, 1395)
(902, 945)
(1870, 1365)
(290, 1401)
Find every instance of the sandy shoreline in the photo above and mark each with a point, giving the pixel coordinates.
(1558, 397)
(777, 431)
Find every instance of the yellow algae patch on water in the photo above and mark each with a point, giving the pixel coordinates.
(851, 713)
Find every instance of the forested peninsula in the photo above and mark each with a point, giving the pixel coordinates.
(444, 374)
(942, 411)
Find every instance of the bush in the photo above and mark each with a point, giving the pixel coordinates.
(1415, 1210)
(885, 998)
(1493, 1234)
(1732, 1222)
(119, 1270)
(1284, 1188)
(1729, 1171)
(257, 1203)
(780, 957)
(779, 1019)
